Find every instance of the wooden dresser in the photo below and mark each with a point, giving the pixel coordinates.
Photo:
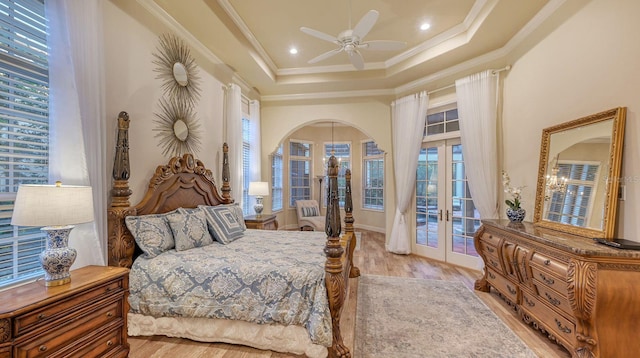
(583, 295)
(85, 318)
(264, 222)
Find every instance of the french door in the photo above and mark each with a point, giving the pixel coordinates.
(446, 218)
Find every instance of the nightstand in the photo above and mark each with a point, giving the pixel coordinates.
(84, 318)
(264, 222)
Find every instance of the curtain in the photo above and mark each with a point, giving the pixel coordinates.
(408, 118)
(477, 107)
(255, 162)
(77, 142)
(234, 139)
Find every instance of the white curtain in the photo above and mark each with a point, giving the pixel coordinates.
(234, 139)
(255, 162)
(408, 118)
(77, 147)
(477, 107)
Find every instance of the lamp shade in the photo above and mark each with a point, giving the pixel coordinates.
(259, 188)
(52, 205)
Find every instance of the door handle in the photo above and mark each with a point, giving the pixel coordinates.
(447, 215)
(440, 214)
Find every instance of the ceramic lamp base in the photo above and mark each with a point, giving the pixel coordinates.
(258, 207)
(58, 257)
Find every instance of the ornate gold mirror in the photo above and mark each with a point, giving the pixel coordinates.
(578, 175)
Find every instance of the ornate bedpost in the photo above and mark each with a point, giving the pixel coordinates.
(348, 223)
(226, 177)
(334, 279)
(120, 241)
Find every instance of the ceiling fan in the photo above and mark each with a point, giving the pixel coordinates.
(351, 40)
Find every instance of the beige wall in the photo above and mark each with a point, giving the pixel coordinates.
(586, 65)
(132, 87)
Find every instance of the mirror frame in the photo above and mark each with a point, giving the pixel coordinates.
(612, 186)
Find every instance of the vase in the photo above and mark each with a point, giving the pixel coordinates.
(516, 215)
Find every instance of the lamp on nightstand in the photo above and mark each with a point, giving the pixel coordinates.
(258, 189)
(56, 207)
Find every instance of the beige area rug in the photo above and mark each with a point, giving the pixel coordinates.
(406, 318)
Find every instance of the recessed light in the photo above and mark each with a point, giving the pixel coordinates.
(425, 26)
(293, 50)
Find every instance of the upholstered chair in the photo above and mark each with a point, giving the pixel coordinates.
(309, 215)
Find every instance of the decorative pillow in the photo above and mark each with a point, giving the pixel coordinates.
(236, 209)
(310, 211)
(189, 229)
(223, 223)
(152, 233)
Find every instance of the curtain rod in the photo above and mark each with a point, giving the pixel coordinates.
(506, 68)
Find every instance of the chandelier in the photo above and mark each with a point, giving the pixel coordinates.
(555, 183)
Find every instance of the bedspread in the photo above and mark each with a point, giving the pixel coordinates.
(264, 277)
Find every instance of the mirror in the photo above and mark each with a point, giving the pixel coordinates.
(180, 74)
(180, 129)
(578, 175)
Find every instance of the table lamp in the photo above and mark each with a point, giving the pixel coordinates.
(57, 208)
(258, 189)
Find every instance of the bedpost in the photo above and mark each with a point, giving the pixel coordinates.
(226, 177)
(120, 241)
(348, 223)
(334, 279)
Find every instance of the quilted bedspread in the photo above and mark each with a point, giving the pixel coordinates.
(265, 277)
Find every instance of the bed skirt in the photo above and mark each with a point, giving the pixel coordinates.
(285, 339)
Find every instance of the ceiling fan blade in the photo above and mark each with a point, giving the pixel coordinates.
(382, 45)
(319, 34)
(325, 55)
(356, 59)
(365, 24)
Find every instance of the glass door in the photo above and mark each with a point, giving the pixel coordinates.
(446, 218)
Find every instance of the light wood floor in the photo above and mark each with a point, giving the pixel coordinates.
(372, 259)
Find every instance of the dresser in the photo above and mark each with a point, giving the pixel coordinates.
(583, 295)
(264, 222)
(84, 318)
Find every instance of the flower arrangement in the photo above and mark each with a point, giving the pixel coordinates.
(515, 192)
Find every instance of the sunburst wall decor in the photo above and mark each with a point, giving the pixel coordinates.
(178, 129)
(177, 69)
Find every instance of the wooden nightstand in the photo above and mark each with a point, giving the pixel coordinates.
(84, 318)
(265, 222)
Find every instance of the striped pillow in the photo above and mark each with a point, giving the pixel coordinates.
(223, 223)
(310, 211)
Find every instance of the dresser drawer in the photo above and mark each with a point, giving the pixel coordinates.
(491, 239)
(62, 309)
(553, 322)
(554, 265)
(506, 287)
(97, 347)
(554, 299)
(66, 332)
(542, 277)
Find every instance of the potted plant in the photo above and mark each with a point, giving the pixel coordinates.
(515, 212)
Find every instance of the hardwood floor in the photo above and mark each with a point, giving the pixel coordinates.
(372, 259)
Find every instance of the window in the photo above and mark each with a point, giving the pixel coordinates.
(373, 176)
(442, 122)
(342, 151)
(276, 180)
(246, 162)
(573, 205)
(24, 130)
(300, 171)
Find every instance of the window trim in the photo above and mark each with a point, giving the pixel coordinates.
(272, 156)
(364, 156)
(296, 157)
(325, 184)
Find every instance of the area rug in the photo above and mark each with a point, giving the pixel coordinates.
(411, 318)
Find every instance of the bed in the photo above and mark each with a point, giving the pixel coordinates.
(274, 290)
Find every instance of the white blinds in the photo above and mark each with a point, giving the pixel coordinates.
(24, 128)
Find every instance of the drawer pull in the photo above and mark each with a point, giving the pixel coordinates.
(561, 327)
(511, 290)
(553, 301)
(490, 249)
(528, 302)
(42, 316)
(109, 314)
(108, 289)
(495, 264)
(547, 262)
(492, 275)
(109, 343)
(42, 348)
(548, 281)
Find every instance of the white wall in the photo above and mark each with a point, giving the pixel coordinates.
(588, 64)
(132, 87)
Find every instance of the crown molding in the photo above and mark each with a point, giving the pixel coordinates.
(328, 95)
